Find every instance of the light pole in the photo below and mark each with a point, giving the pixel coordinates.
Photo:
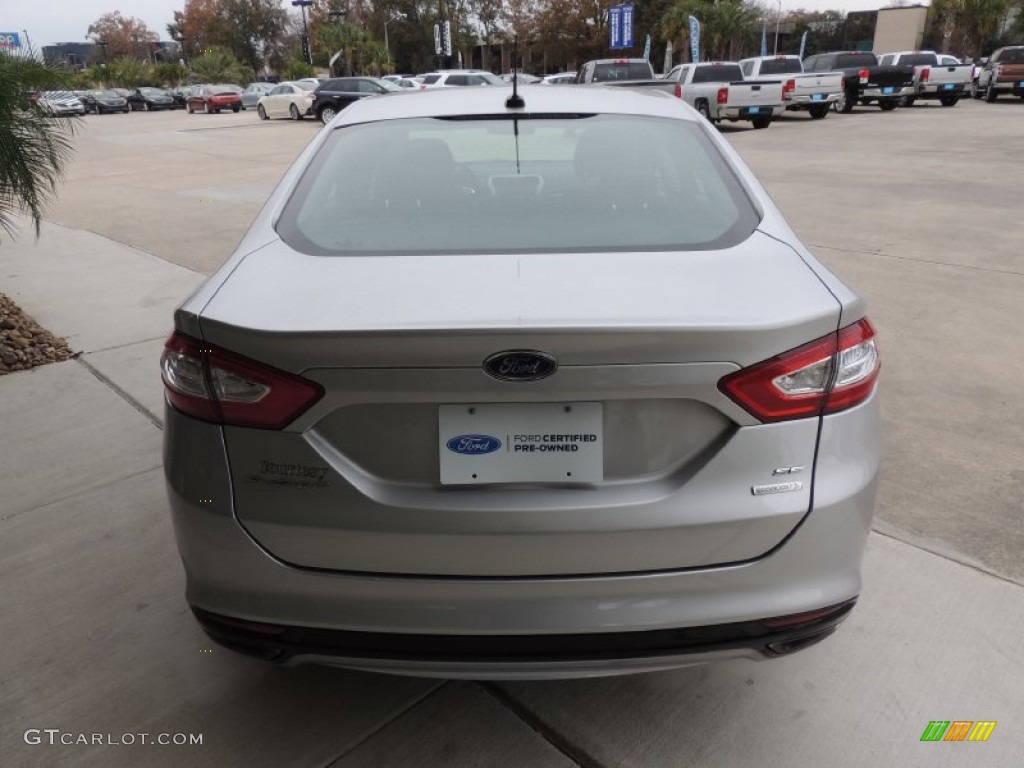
(777, 19)
(179, 38)
(307, 49)
(339, 16)
(397, 17)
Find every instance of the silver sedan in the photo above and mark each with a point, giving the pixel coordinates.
(510, 390)
(254, 92)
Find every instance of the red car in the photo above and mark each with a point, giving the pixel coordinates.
(214, 98)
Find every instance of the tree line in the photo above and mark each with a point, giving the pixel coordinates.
(251, 38)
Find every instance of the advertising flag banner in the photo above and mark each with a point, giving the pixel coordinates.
(615, 27)
(803, 44)
(694, 39)
(764, 40)
(627, 25)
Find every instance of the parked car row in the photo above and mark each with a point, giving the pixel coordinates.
(761, 88)
(754, 90)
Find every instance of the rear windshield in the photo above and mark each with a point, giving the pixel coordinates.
(718, 73)
(431, 79)
(1012, 56)
(856, 60)
(919, 59)
(581, 183)
(781, 67)
(630, 70)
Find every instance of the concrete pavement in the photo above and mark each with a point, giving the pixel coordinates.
(98, 638)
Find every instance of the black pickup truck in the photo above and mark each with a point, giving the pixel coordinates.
(866, 80)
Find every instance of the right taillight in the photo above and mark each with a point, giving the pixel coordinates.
(830, 374)
(679, 91)
(215, 385)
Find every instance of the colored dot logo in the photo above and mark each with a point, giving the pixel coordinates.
(206, 650)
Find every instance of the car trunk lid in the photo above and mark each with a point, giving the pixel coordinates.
(357, 483)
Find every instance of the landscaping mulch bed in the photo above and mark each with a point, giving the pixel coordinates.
(24, 343)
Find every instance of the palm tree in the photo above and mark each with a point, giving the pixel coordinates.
(126, 72)
(218, 66)
(723, 24)
(375, 58)
(35, 146)
(973, 23)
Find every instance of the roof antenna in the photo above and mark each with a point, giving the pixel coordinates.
(515, 101)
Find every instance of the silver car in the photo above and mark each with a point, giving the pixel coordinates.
(254, 92)
(61, 103)
(506, 392)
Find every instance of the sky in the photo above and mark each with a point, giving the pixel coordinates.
(61, 21)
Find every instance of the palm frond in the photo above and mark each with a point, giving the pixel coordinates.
(35, 146)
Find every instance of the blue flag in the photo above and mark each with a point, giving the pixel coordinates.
(615, 27)
(764, 40)
(694, 39)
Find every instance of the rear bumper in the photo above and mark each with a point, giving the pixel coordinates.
(880, 93)
(743, 113)
(804, 101)
(230, 575)
(934, 91)
(522, 656)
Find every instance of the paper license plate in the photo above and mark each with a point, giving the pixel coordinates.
(754, 110)
(817, 96)
(888, 89)
(485, 443)
(948, 87)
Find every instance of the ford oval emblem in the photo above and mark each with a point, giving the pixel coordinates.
(473, 445)
(520, 365)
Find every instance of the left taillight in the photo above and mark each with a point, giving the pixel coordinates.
(215, 385)
(723, 96)
(830, 374)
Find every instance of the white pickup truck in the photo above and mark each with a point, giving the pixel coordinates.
(814, 91)
(936, 76)
(718, 91)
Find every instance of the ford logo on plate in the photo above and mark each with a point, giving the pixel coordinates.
(474, 445)
(520, 365)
